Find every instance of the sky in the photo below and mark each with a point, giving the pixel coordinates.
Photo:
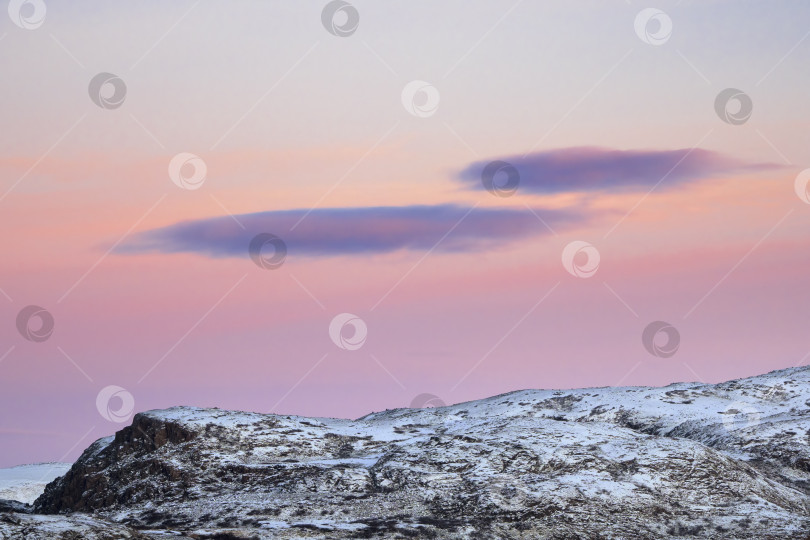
(329, 209)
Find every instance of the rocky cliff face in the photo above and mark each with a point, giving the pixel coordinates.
(689, 460)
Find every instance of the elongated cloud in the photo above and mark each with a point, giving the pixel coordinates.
(603, 169)
(350, 231)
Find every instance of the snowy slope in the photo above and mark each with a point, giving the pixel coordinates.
(27, 482)
(688, 460)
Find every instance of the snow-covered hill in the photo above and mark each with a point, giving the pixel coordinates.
(688, 460)
(27, 482)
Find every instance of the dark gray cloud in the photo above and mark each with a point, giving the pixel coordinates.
(355, 231)
(601, 169)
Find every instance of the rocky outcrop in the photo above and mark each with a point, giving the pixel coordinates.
(7, 506)
(89, 484)
(22, 526)
(689, 460)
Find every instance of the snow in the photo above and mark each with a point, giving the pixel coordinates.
(27, 482)
(367, 461)
(640, 449)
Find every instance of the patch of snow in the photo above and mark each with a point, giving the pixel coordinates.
(25, 483)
